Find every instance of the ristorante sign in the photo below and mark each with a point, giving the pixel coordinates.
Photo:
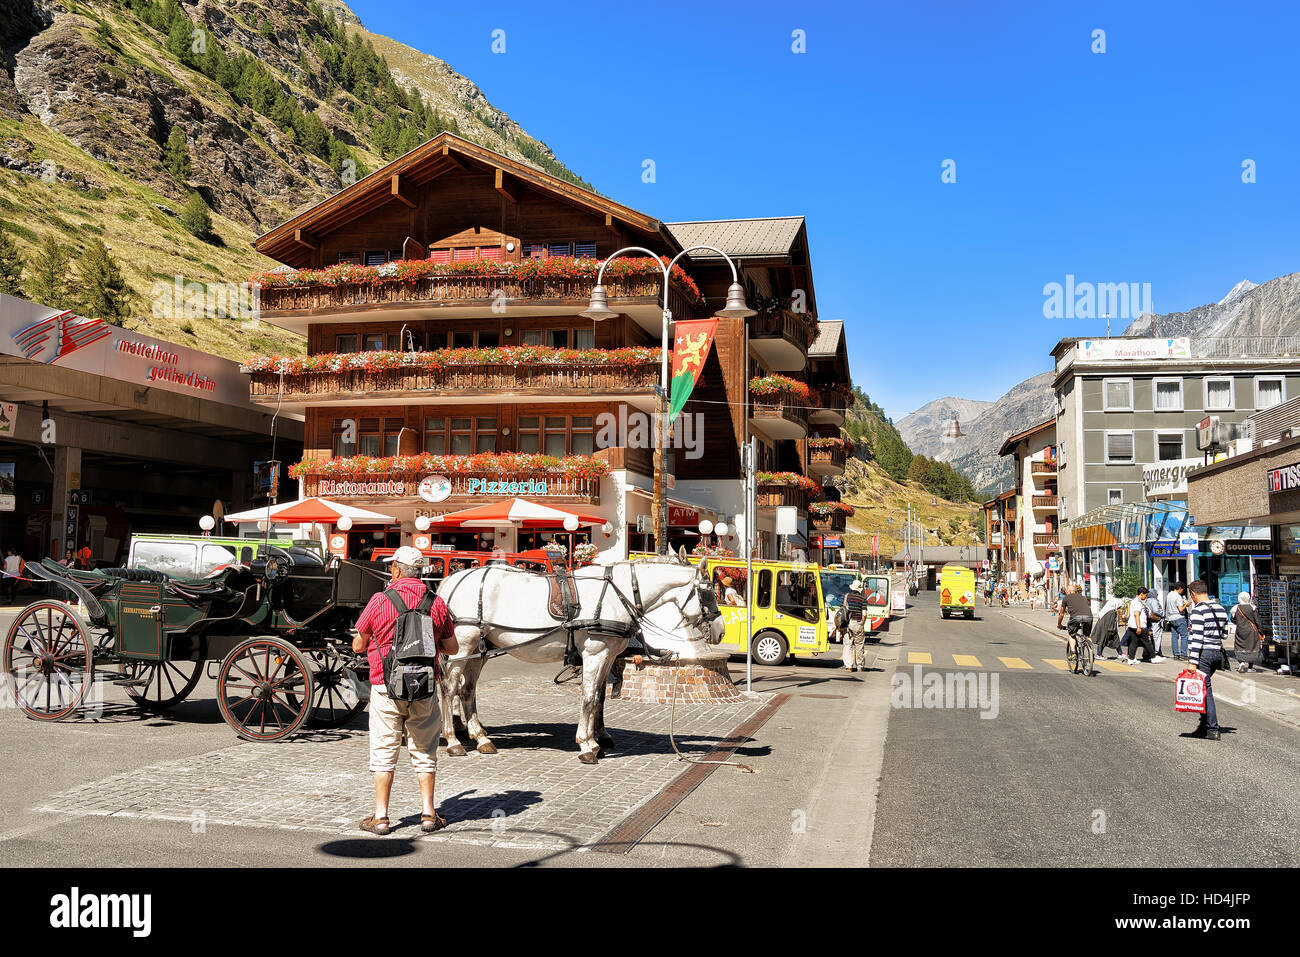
(403, 488)
(33, 332)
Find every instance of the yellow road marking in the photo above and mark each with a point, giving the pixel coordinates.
(966, 661)
(919, 658)
(1116, 666)
(1058, 663)
(1015, 663)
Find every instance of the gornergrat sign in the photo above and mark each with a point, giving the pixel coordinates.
(1285, 479)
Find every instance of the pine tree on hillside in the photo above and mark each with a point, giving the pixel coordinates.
(11, 266)
(919, 470)
(49, 281)
(176, 154)
(195, 217)
(103, 292)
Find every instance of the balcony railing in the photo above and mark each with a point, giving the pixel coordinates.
(773, 496)
(1043, 468)
(793, 327)
(834, 522)
(781, 415)
(1051, 539)
(1045, 501)
(468, 290)
(540, 378)
(833, 404)
(827, 459)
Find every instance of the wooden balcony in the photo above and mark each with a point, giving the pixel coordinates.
(1048, 539)
(1045, 502)
(403, 488)
(832, 404)
(834, 522)
(632, 459)
(1042, 468)
(350, 386)
(827, 460)
(782, 339)
(779, 416)
(774, 496)
(466, 296)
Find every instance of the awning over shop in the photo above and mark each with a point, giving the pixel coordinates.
(309, 511)
(512, 512)
(1132, 523)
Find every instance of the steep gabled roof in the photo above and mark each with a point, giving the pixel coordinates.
(830, 337)
(1010, 442)
(442, 154)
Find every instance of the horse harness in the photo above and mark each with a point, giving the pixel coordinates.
(564, 604)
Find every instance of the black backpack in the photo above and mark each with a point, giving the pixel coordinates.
(411, 665)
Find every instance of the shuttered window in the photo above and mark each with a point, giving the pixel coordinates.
(584, 250)
(1119, 448)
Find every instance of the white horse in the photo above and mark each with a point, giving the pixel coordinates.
(674, 608)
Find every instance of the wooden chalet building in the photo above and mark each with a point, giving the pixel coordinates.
(440, 299)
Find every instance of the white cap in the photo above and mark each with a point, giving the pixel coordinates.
(407, 555)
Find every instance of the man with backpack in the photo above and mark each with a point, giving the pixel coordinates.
(402, 630)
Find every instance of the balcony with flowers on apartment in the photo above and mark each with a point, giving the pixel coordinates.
(827, 455)
(473, 283)
(829, 516)
(781, 333)
(779, 405)
(627, 374)
(776, 489)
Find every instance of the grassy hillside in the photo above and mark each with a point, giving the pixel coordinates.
(877, 499)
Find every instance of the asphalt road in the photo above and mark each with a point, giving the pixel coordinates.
(1071, 770)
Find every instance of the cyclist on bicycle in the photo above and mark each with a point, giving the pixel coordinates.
(1080, 611)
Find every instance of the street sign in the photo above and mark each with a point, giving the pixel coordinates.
(1189, 543)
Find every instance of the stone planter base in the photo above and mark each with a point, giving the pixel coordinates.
(699, 681)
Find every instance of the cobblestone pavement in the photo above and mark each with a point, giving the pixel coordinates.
(533, 794)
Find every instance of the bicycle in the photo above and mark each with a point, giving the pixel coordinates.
(1080, 661)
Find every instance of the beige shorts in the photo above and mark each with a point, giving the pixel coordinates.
(419, 722)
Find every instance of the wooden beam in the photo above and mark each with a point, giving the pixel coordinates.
(395, 189)
(612, 226)
(304, 238)
(447, 155)
(506, 188)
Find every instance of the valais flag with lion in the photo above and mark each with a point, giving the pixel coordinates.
(692, 340)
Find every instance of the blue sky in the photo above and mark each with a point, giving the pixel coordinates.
(1122, 166)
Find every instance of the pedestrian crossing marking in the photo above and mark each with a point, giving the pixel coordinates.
(919, 658)
(1115, 666)
(1015, 663)
(1058, 663)
(966, 661)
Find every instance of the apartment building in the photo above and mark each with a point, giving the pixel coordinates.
(1128, 412)
(1038, 553)
(448, 363)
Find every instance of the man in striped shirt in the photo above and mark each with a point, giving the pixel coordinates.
(1208, 624)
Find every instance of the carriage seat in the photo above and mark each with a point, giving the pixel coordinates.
(133, 574)
(218, 585)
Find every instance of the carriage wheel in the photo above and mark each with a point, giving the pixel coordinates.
(264, 689)
(333, 701)
(164, 683)
(48, 660)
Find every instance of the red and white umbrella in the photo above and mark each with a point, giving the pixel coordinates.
(517, 512)
(308, 511)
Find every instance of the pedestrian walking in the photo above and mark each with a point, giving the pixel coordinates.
(1247, 643)
(1138, 631)
(1207, 624)
(13, 566)
(855, 642)
(417, 722)
(1176, 605)
(1156, 620)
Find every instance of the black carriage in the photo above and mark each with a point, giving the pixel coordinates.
(275, 634)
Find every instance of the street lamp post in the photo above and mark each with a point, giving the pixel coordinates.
(598, 309)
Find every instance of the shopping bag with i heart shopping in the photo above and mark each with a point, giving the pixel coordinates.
(1189, 691)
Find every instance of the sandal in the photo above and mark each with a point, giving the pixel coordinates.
(432, 822)
(375, 825)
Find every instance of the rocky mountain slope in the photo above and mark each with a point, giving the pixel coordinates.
(924, 429)
(276, 104)
(975, 454)
(1269, 309)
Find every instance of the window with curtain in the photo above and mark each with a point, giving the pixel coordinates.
(555, 435)
(1117, 395)
(1218, 394)
(1119, 448)
(435, 435)
(557, 338)
(462, 436)
(346, 343)
(533, 337)
(1269, 392)
(1168, 395)
(584, 338)
(1114, 496)
(485, 434)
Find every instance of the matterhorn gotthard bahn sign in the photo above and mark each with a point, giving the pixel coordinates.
(63, 339)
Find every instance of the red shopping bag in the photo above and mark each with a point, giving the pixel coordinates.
(1189, 691)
